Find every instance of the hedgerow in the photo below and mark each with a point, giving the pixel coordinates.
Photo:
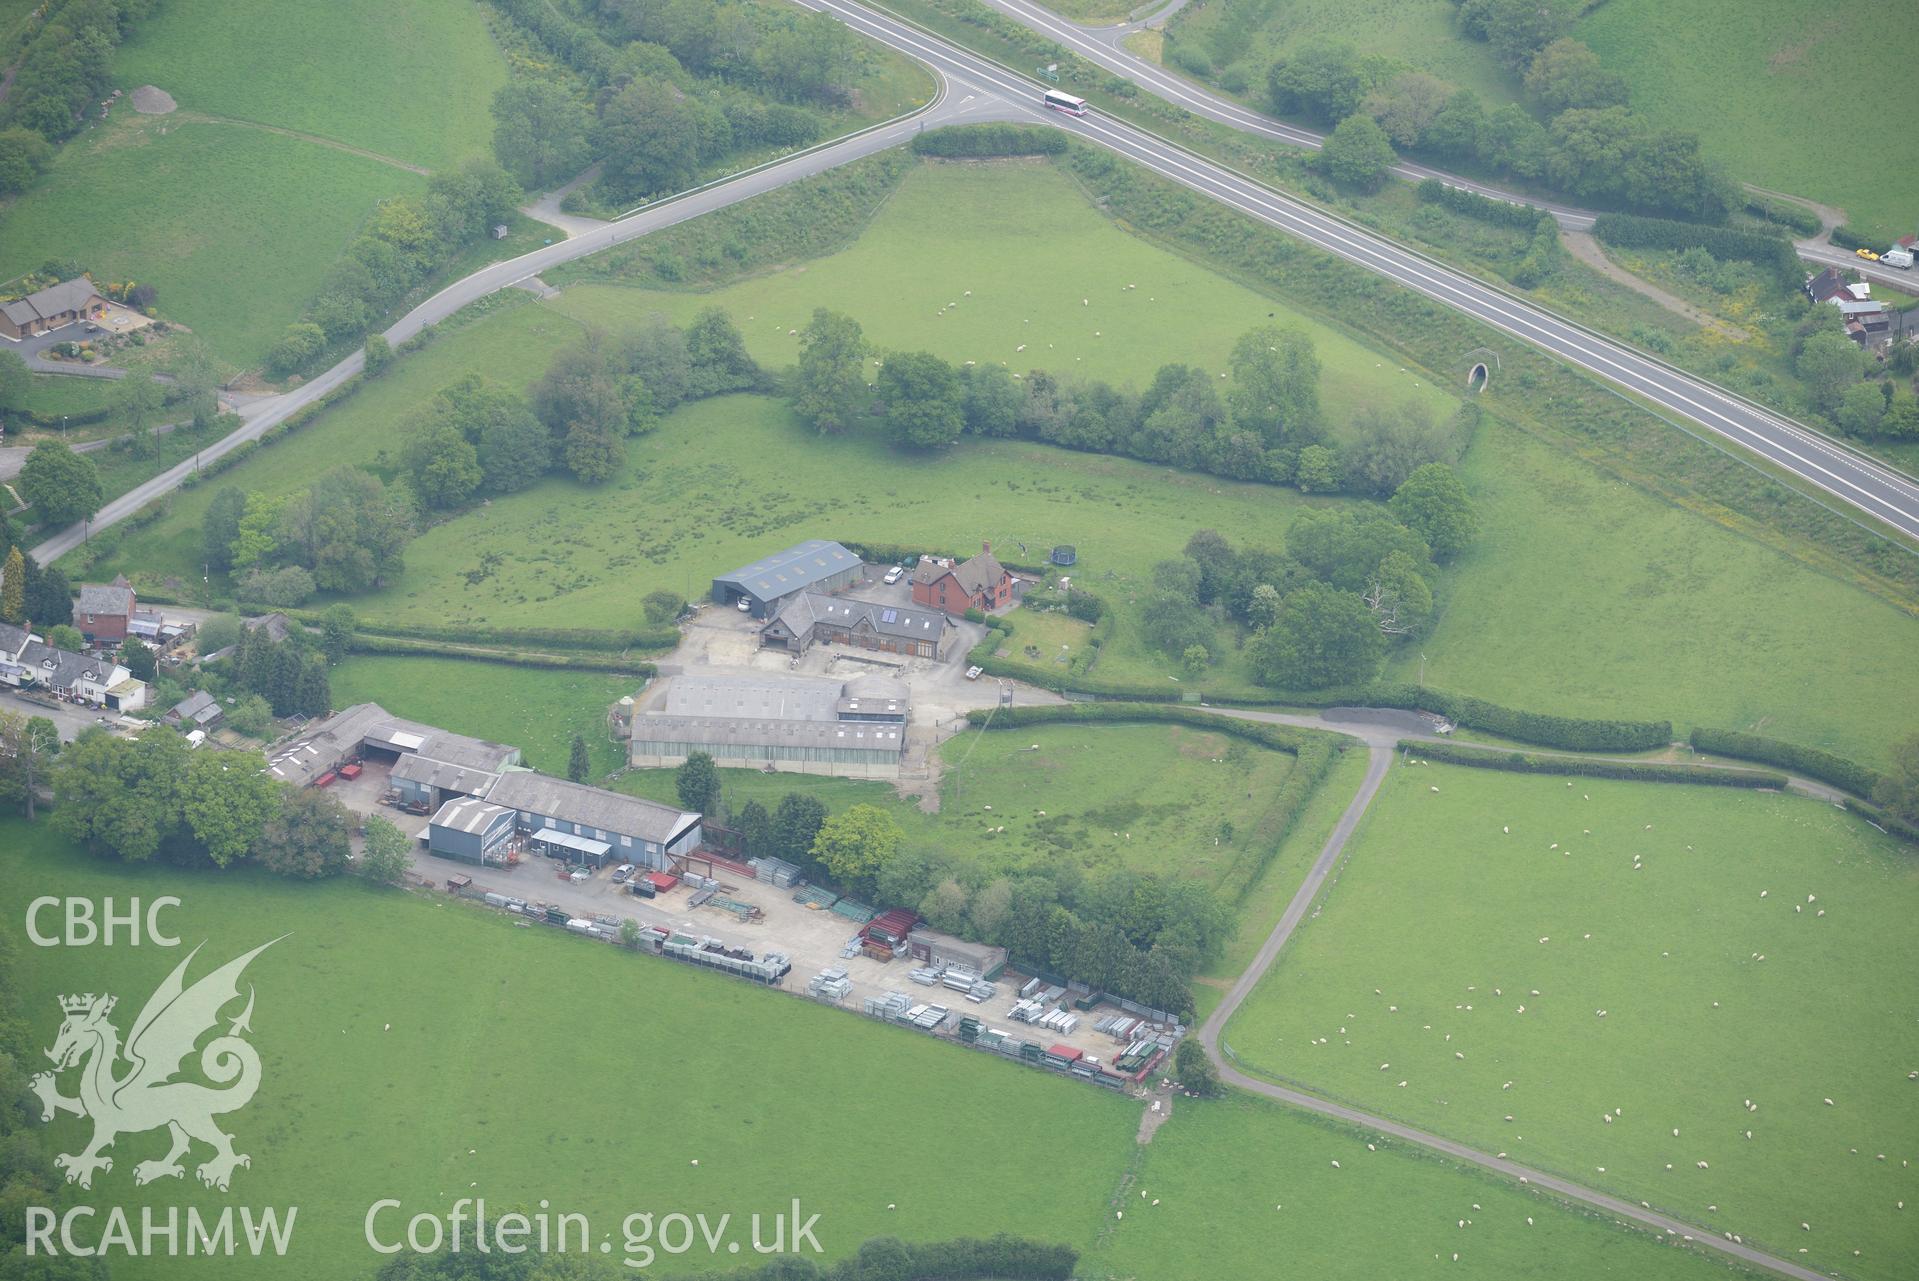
(1813, 762)
(1593, 767)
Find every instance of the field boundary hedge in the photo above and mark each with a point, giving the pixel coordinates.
(394, 646)
(1593, 767)
(1786, 213)
(1628, 231)
(1473, 205)
(1813, 762)
(1314, 752)
(986, 141)
(606, 643)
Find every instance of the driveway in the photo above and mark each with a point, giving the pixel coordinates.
(68, 718)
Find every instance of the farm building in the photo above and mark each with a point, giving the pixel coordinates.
(855, 728)
(103, 611)
(471, 830)
(591, 825)
(813, 566)
(810, 618)
(51, 308)
(422, 780)
(980, 582)
(367, 731)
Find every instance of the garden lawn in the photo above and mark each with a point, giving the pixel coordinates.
(1041, 281)
(725, 481)
(1768, 94)
(1586, 597)
(1144, 797)
(1230, 1187)
(1474, 966)
(537, 710)
(412, 81)
(511, 346)
(234, 226)
(424, 1051)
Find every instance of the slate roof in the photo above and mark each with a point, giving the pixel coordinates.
(68, 295)
(198, 707)
(804, 610)
(975, 575)
(111, 600)
(591, 807)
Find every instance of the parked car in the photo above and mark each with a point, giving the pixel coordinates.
(745, 605)
(893, 575)
(972, 673)
(622, 873)
(1867, 254)
(578, 874)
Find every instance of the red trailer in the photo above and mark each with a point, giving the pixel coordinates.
(662, 881)
(325, 778)
(1067, 1052)
(351, 770)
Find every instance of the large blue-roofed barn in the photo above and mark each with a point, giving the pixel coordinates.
(812, 566)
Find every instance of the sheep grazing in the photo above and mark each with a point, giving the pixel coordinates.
(1335, 1165)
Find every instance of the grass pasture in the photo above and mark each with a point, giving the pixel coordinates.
(1031, 264)
(435, 1109)
(1143, 797)
(1719, 981)
(411, 81)
(1242, 1183)
(1586, 596)
(1770, 95)
(536, 710)
(234, 226)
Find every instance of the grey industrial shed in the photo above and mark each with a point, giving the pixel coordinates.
(812, 566)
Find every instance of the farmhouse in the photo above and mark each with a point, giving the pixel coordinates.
(26, 660)
(855, 729)
(51, 308)
(103, 613)
(367, 731)
(811, 617)
(813, 566)
(980, 582)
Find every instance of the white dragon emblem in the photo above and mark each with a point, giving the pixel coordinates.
(147, 1096)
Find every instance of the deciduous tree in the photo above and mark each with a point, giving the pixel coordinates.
(697, 783)
(60, 485)
(854, 845)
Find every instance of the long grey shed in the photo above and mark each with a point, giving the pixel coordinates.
(815, 565)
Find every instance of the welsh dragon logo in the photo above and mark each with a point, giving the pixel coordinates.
(146, 1095)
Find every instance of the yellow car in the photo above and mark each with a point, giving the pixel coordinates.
(1868, 255)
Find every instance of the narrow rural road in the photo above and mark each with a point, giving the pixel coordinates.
(958, 102)
(1381, 733)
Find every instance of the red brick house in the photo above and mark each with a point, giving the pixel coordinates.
(980, 583)
(102, 613)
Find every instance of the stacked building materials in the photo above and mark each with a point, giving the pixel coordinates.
(981, 992)
(925, 977)
(710, 953)
(830, 985)
(777, 872)
(890, 1006)
(853, 911)
(814, 897)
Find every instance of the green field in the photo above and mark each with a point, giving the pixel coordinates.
(1771, 94)
(1143, 797)
(1248, 1189)
(1030, 264)
(510, 347)
(1586, 597)
(234, 226)
(534, 709)
(1252, 34)
(1719, 980)
(641, 1066)
(410, 81)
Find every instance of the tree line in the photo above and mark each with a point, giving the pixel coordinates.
(30, 593)
(62, 67)
(1134, 934)
(1590, 145)
(1350, 584)
(657, 92)
(406, 241)
(346, 532)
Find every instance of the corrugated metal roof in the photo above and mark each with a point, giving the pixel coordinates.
(794, 569)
